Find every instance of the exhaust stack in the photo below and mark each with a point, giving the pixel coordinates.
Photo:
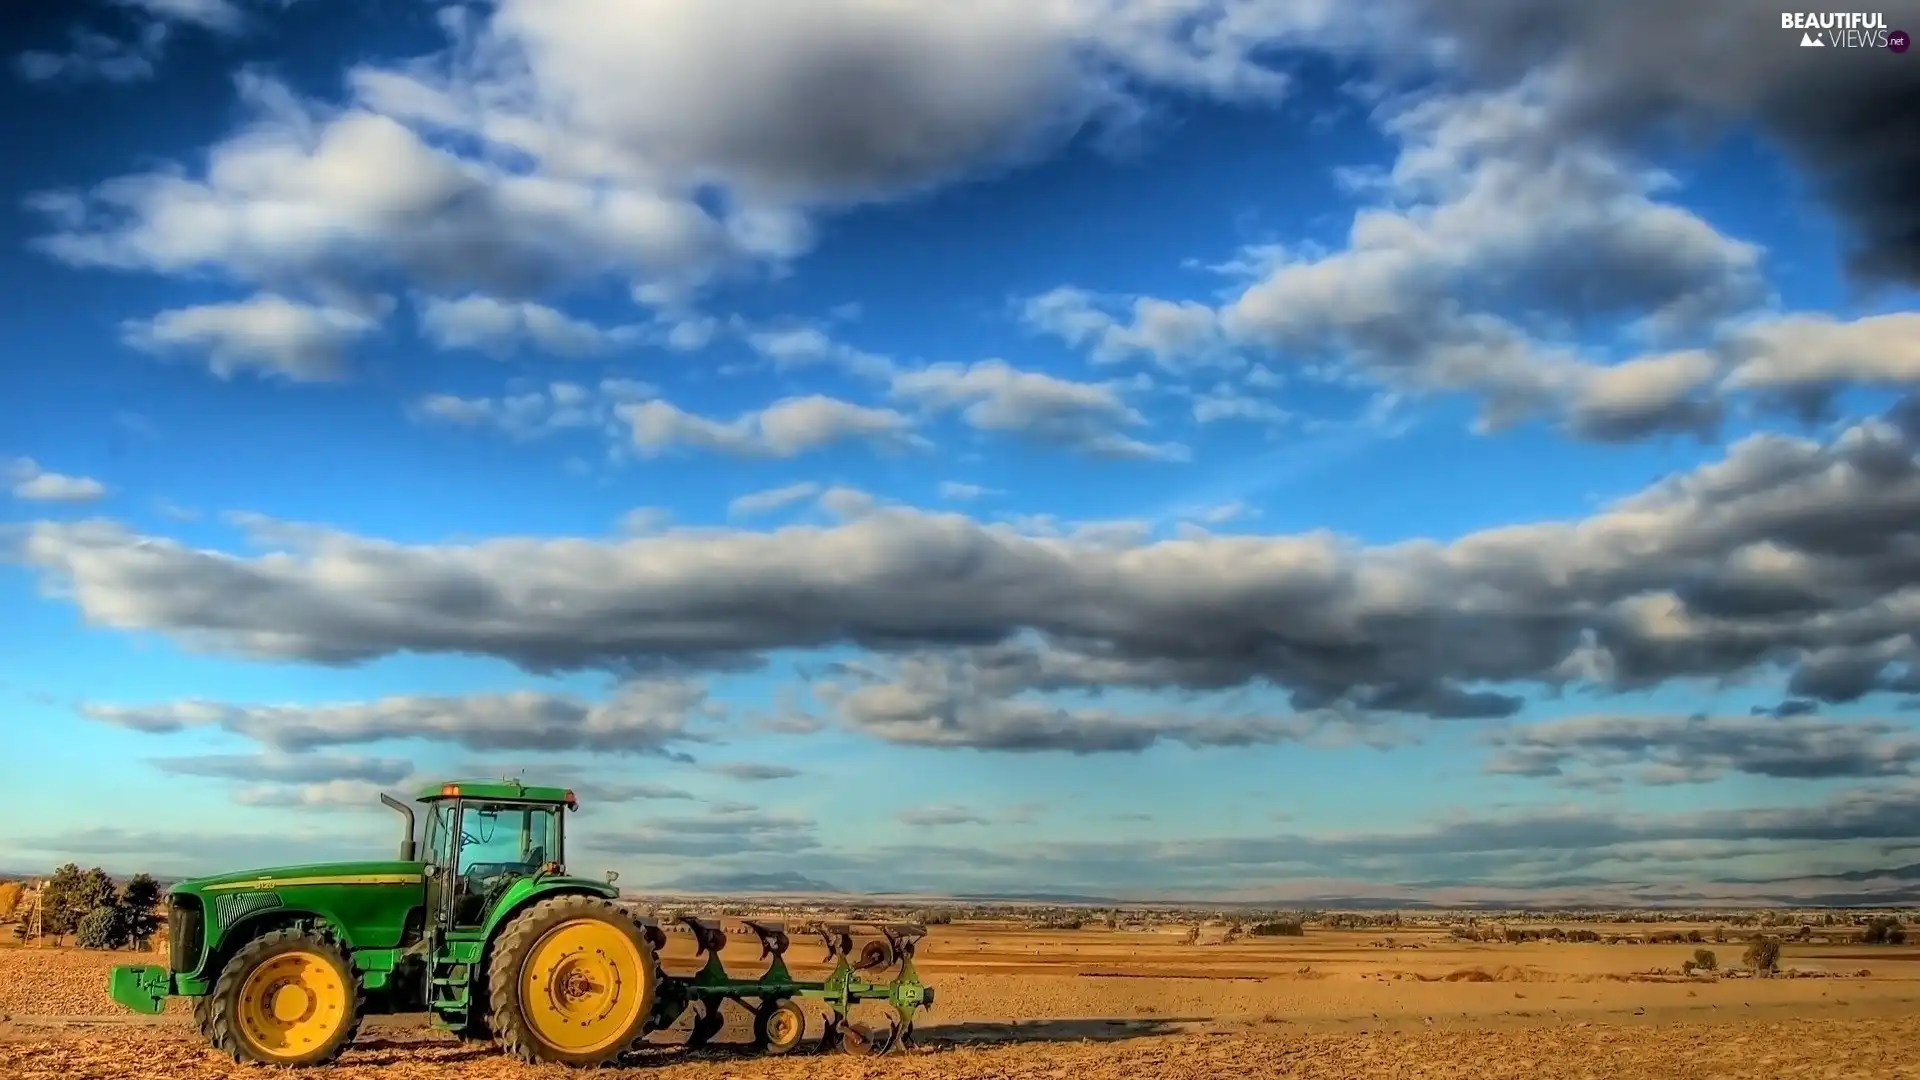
(406, 845)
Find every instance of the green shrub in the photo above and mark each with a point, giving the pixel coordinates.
(1705, 960)
(105, 927)
(1884, 931)
(1763, 954)
(1279, 928)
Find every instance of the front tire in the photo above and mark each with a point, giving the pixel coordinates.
(288, 997)
(572, 982)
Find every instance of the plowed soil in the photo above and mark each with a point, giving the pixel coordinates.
(1091, 1005)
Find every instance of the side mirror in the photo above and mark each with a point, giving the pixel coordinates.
(613, 876)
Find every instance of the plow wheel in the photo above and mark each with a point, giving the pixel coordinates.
(288, 997)
(707, 1022)
(862, 1040)
(778, 1026)
(875, 955)
(572, 982)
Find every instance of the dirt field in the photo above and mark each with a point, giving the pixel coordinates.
(1093, 1004)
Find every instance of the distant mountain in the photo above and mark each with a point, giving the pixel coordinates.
(1909, 872)
(1032, 898)
(783, 882)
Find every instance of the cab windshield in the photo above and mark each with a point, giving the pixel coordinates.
(497, 838)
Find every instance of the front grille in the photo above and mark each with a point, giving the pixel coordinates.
(186, 933)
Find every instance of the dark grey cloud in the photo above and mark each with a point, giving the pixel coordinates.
(754, 770)
(1786, 554)
(289, 768)
(1697, 749)
(977, 698)
(1516, 847)
(713, 836)
(644, 718)
(616, 791)
(1524, 848)
(1849, 118)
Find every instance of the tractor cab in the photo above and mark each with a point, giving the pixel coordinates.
(482, 836)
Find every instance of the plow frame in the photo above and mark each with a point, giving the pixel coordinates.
(842, 989)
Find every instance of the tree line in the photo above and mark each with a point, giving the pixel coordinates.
(87, 904)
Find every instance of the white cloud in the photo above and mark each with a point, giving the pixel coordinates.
(499, 326)
(787, 428)
(35, 484)
(534, 413)
(993, 395)
(779, 108)
(1815, 352)
(1174, 334)
(763, 502)
(806, 346)
(268, 333)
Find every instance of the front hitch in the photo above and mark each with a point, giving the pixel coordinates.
(144, 988)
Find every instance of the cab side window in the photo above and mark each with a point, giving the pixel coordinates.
(440, 845)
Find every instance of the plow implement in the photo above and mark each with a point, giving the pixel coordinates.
(879, 971)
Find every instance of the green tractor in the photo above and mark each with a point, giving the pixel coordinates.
(485, 930)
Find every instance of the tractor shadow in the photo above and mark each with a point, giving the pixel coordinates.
(1108, 1029)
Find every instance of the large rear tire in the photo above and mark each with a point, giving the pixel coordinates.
(288, 997)
(572, 982)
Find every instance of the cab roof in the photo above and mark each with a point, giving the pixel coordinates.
(494, 788)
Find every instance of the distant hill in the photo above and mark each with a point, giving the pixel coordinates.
(1033, 898)
(782, 882)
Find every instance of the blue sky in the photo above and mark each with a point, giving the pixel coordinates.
(1118, 447)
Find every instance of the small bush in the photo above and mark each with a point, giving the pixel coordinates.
(1883, 931)
(9, 898)
(1705, 960)
(1279, 928)
(105, 927)
(1763, 955)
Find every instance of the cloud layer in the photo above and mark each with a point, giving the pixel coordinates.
(1786, 555)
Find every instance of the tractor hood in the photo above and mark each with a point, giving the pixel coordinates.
(364, 872)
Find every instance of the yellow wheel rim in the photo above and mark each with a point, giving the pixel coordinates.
(583, 987)
(291, 1005)
(783, 1026)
